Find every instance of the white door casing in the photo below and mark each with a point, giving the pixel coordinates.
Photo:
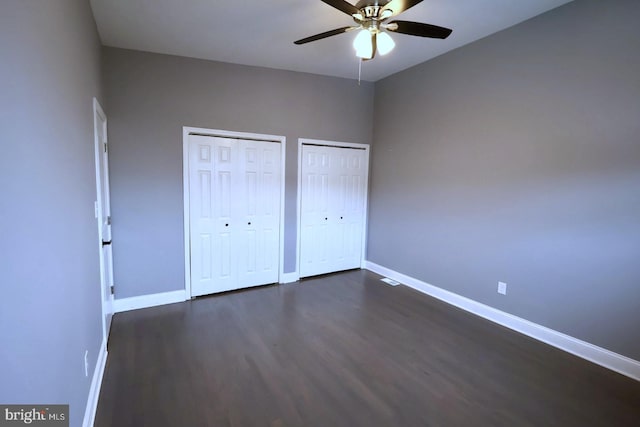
(103, 215)
(233, 210)
(332, 200)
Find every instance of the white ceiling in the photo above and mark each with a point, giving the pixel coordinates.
(261, 33)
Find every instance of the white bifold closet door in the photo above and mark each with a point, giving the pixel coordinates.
(333, 210)
(234, 198)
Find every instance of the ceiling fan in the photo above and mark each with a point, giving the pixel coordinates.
(370, 17)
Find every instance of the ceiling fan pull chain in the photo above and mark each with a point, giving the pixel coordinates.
(359, 70)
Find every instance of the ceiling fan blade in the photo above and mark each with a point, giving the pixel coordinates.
(419, 29)
(342, 5)
(399, 6)
(324, 35)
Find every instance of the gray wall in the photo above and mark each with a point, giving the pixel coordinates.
(517, 158)
(150, 98)
(49, 271)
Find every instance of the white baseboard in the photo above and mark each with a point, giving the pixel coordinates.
(601, 356)
(96, 383)
(289, 277)
(145, 301)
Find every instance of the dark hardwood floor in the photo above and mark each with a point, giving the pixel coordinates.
(345, 350)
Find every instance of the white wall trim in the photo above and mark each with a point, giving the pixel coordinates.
(145, 301)
(598, 355)
(186, 131)
(96, 384)
(366, 148)
(289, 277)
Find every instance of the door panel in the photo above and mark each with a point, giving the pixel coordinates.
(270, 241)
(260, 166)
(314, 221)
(224, 273)
(201, 185)
(206, 252)
(351, 208)
(107, 281)
(226, 225)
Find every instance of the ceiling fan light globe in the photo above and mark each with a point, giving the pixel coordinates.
(362, 44)
(385, 43)
(386, 13)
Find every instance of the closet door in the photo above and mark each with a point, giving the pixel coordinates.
(332, 208)
(259, 212)
(347, 200)
(234, 197)
(315, 231)
(212, 175)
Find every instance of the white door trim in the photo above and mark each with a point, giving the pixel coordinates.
(186, 131)
(106, 308)
(308, 141)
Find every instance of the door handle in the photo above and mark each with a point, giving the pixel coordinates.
(106, 243)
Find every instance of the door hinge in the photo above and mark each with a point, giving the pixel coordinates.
(109, 220)
(105, 147)
(112, 289)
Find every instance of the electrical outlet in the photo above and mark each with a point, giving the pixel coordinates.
(86, 363)
(502, 288)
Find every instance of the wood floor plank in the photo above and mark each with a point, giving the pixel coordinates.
(345, 350)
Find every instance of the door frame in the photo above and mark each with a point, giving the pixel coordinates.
(186, 132)
(320, 142)
(106, 307)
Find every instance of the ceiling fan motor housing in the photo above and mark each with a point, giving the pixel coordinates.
(371, 15)
(371, 12)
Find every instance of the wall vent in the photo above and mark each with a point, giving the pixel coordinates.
(390, 281)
